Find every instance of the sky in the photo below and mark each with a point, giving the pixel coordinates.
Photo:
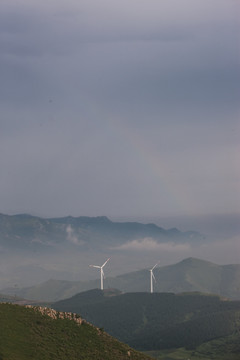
(119, 108)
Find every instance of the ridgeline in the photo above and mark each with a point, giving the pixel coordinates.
(29, 333)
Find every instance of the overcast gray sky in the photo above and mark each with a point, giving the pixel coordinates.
(119, 108)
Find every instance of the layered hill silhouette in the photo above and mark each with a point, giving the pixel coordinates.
(40, 233)
(38, 333)
(160, 321)
(188, 275)
(37, 249)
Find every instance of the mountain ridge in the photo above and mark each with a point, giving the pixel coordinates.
(188, 275)
(36, 230)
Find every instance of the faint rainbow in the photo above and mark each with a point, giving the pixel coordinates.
(152, 162)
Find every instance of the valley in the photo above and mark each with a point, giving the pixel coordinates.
(193, 312)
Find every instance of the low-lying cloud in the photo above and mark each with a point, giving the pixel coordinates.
(72, 237)
(220, 252)
(149, 244)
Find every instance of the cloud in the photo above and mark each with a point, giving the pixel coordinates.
(224, 251)
(46, 243)
(71, 237)
(144, 102)
(149, 244)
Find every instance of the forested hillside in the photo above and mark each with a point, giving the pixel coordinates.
(159, 320)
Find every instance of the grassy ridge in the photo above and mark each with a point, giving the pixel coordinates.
(27, 334)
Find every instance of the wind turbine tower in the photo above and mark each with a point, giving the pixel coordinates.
(101, 271)
(152, 277)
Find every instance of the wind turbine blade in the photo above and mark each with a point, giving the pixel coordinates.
(155, 265)
(98, 267)
(154, 277)
(105, 263)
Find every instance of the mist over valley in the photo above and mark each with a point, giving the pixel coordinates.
(45, 253)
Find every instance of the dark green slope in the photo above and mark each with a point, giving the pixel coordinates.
(227, 347)
(160, 320)
(224, 348)
(27, 334)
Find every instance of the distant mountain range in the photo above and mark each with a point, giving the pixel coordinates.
(162, 321)
(186, 276)
(34, 249)
(39, 233)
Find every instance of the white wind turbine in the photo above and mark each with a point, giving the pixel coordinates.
(152, 276)
(101, 271)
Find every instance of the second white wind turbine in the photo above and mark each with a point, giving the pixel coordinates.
(101, 271)
(152, 277)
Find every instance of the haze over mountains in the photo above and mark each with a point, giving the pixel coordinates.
(53, 256)
(188, 275)
(88, 232)
(35, 249)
